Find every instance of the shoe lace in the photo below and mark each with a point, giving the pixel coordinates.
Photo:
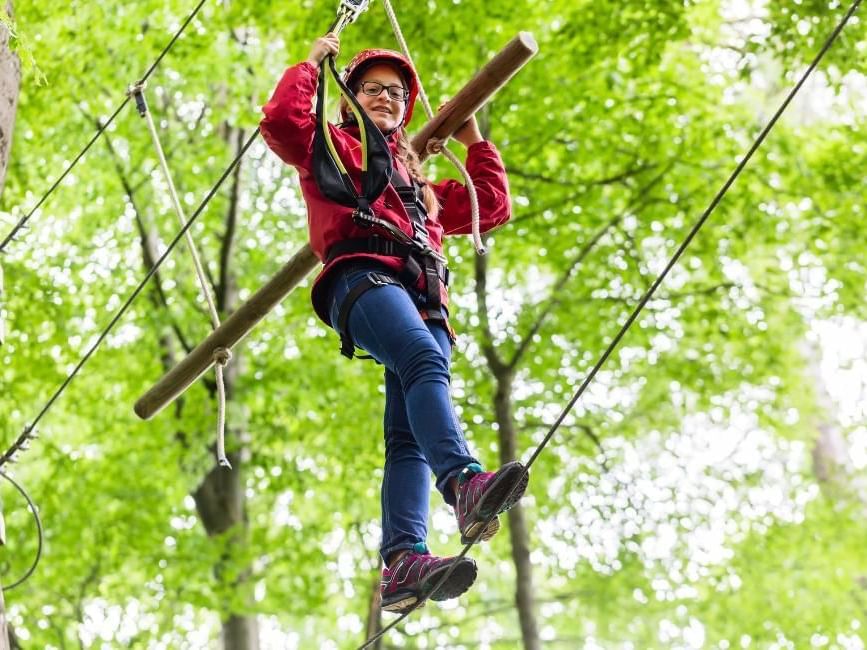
(428, 561)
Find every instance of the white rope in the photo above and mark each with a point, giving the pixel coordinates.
(439, 146)
(221, 355)
(221, 358)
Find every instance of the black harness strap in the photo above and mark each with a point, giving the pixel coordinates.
(329, 172)
(373, 279)
(376, 245)
(420, 260)
(410, 196)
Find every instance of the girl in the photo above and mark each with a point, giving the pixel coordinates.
(383, 290)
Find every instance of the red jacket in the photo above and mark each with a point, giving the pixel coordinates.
(288, 128)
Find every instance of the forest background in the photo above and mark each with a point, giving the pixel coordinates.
(709, 489)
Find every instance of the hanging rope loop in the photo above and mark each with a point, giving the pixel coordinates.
(221, 355)
(222, 460)
(422, 95)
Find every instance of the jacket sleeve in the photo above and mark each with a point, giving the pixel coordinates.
(290, 123)
(488, 173)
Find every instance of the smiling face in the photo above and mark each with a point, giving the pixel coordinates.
(386, 113)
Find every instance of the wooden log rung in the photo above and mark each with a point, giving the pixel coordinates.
(477, 92)
(230, 332)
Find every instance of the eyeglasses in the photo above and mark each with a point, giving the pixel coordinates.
(374, 89)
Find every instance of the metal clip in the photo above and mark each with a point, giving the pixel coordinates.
(363, 218)
(376, 279)
(428, 251)
(348, 12)
(136, 91)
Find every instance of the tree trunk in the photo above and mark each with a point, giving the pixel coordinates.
(518, 534)
(10, 83)
(221, 499)
(832, 464)
(520, 540)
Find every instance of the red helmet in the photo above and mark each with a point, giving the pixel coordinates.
(366, 58)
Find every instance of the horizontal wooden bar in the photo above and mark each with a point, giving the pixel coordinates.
(477, 92)
(230, 331)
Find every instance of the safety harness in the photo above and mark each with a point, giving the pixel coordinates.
(420, 260)
(331, 175)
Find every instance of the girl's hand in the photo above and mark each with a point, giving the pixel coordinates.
(322, 47)
(468, 133)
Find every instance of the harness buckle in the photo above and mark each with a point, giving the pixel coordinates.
(363, 218)
(426, 250)
(376, 279)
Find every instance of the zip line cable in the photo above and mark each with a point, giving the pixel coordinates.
(29, 431)
(641, 304)
(23, 221)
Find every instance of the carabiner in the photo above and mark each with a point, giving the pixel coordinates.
(348, 12)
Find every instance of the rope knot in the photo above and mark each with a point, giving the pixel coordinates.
(222, 356)
(435, 145)
(135, 88)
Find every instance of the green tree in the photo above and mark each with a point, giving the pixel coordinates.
(673, 503)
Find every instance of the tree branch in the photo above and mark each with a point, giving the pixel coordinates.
(145, 237)
(222, 289)
(609, 180)
(555, 297)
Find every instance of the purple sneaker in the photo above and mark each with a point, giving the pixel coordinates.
(483, 494)
(416, 573)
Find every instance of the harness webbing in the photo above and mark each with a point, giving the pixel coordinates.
(373, 279)
(415, 209)
(419, 261)
(330, 173)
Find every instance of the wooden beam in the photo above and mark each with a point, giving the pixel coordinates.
(477, 91)
(232, 330)
(457, 111)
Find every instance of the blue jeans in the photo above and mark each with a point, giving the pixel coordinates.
(422, 432)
